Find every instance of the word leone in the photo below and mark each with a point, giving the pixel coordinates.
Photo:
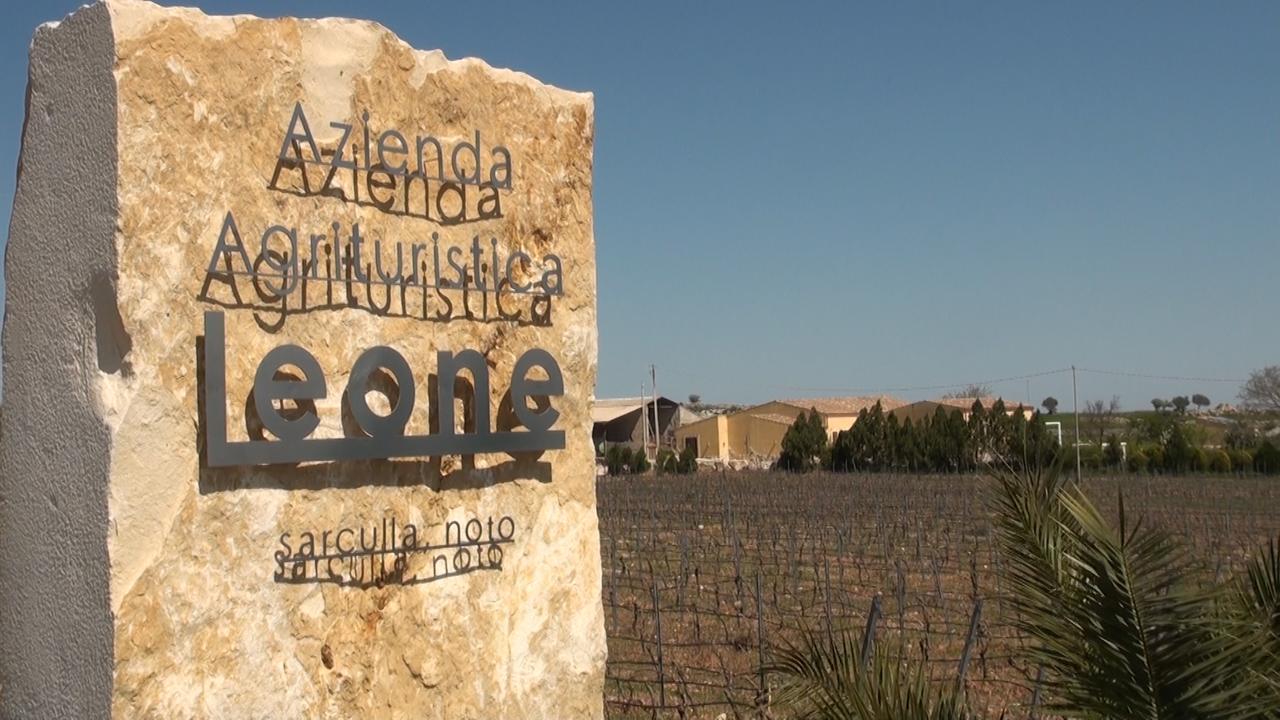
(383, 435)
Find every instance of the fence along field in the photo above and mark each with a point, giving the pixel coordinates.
(703, 574)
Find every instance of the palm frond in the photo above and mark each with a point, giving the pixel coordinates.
(822, 678)
(1255, 607)
(1116, 618)
(1032, 528)
(1259, 593)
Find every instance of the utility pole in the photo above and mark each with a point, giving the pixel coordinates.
(1024, 424)
(657, 433)
(1075, 405)
(644, 422)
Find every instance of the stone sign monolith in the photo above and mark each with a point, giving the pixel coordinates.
(299, 342)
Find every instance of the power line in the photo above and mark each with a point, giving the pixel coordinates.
(1179, 378)
(1011, 378)
(912, 388)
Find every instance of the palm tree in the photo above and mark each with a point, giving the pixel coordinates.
(824, 677)
(1116, 618)
(1257, 599)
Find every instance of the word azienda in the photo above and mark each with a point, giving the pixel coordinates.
(431, 179)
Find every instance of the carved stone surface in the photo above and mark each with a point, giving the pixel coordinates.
(146, 584)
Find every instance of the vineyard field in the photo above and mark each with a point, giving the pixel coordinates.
(704, 574)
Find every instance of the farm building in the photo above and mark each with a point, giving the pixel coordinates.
(918, 411)
(617, 421)
(755, 434)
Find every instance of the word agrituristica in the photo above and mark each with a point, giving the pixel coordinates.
(296, 268)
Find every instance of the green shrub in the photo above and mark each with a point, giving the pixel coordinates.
(688, 461)
(1219, 461)
(639, 461)
(667, 462)
(616, 459)
(1241, 459)
(1113, 454)
(1155, 457)
(805, 444)
(1199, 460)
(1138, 461)
(1179, 453)
(1091, 457)
(1267, 458)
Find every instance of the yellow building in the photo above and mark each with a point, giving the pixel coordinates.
(755, 434)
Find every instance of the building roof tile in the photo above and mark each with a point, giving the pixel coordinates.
(851, 405)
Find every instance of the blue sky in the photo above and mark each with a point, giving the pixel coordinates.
(805, 199)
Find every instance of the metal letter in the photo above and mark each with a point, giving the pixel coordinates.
(376, 425)
(523, 387)
(267, 388)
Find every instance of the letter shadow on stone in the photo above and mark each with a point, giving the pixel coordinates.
(368, 577)
(270, 314)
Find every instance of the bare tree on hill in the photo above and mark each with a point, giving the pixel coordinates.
(972, 390)
(1262, 390)
(1098, 415)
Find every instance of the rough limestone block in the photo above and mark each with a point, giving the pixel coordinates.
(146, 576)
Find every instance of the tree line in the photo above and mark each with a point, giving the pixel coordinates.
(624, 460)
(944, 442)
(1171, 444)
(950, 442)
